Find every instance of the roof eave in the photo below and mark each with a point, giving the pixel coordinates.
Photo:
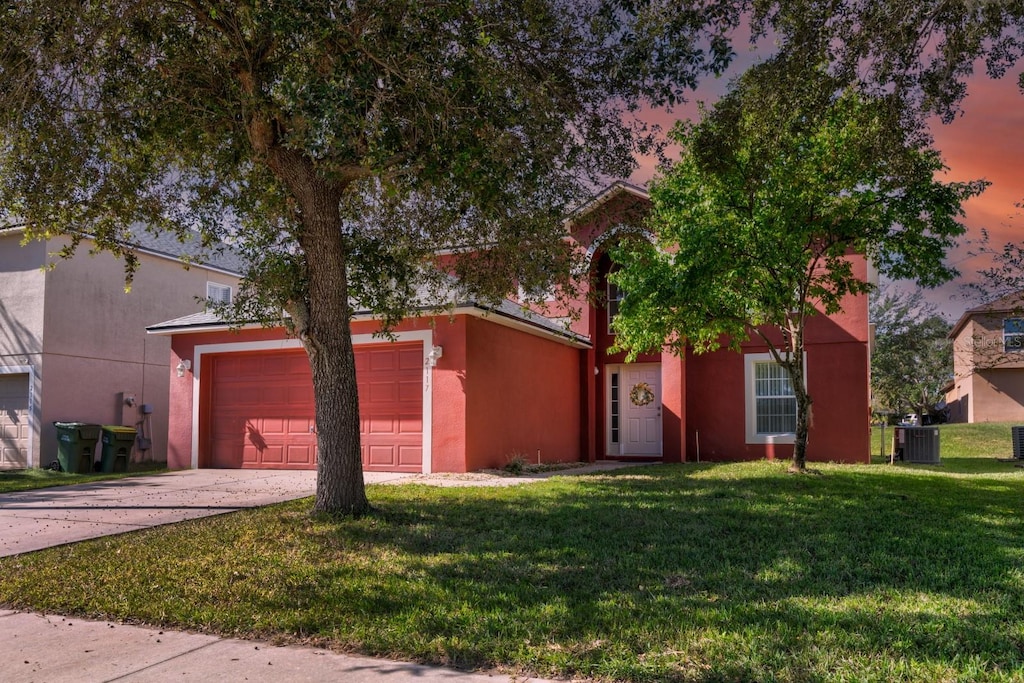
(467, 308)
(617, 188)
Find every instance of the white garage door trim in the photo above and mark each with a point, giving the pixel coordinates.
(424, 336)
(31, 372)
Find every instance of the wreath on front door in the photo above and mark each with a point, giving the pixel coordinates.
(641, 394)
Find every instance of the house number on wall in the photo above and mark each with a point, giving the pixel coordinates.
(641, 394)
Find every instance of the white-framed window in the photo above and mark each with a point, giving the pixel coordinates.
(615, 296)
(1013, 334)
(218, 293)
(770, 400)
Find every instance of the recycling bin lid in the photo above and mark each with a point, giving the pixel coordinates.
(118, 433)
(119, 429)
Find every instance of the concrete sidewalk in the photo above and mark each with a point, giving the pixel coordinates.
(48, 648)
(54, 649)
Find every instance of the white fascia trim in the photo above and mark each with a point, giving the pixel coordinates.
(424, 336)
(32, 417)
(210, 327)
(749, 406)
(537, 331)
(488, 314)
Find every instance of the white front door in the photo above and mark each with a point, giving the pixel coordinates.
(634, 409)
(14, 415)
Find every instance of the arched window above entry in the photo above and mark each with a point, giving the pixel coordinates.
(615, 232)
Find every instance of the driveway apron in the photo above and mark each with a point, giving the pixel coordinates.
(42, 518)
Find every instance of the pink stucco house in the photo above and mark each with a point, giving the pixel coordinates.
(469, 389)
(73, 345)
(988, 363)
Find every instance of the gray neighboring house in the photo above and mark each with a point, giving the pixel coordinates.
(73, 343)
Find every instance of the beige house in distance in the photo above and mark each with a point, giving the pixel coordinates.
(988, 363)
(73, 343)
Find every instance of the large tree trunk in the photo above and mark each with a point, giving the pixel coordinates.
(327, 336)
(322, 322)
(321, 315)
(339, 484)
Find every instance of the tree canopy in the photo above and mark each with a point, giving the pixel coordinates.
(779, 188)
(337, 145)
(912, 360)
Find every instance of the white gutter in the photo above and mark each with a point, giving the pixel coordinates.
(474, 311)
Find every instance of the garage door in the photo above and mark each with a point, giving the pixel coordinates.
(13, 421)
(390, 378)
(261, 411)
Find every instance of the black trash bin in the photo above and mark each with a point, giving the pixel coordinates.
(76, 446)
(117, 448)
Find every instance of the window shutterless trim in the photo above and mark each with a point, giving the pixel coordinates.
(750, 362)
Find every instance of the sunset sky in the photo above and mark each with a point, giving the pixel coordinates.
(986, 141)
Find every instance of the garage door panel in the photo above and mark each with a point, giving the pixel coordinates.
(228, 452)
(279, 399)
(227, 428)
(410, 425)
(239, 396)
(381, 455)
(272, 455)
(251, 456)
(410, 359)
(301, 394)
(300, 425)
(362, 363)
(410, 456)
(262, 409)
(303, 454)
(381, 424)
(410, 392)
(285, 365)
(272, 426)
(381, 392)
(382, 360)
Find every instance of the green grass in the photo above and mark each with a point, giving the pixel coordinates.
(731, 572)
(982, 448)
(24, 480)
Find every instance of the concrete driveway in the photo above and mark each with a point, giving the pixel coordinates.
(33, 520)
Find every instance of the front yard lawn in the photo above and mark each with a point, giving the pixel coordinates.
(731, 572)
(36, 478)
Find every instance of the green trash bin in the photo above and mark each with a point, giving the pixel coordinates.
(117, 448)
(76, 446)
